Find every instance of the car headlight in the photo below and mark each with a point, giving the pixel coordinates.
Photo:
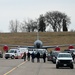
(74, 53)
(71, 61)
(54, 58)
(57, 61)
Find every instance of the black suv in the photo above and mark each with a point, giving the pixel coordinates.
(54, 55)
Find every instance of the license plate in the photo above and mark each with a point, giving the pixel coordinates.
(65, 64)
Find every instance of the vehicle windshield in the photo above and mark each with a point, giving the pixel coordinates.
(72, 50)
(69, 51)
(40, 51)
(48, 54)
(56, 53)
(64, 55)
(11, 51)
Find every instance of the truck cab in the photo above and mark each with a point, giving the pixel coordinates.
(11, 53)
(16, 53)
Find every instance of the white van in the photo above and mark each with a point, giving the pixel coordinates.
(41, 51)
(16, 53)
(31, 51)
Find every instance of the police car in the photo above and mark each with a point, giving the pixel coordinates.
(64, 60)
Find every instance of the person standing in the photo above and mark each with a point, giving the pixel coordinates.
(44, 57)
(72, 55)
(28, 56)
(33, 56)
(38, 57)
(24, 56)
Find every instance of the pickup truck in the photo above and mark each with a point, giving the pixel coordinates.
(64, 60)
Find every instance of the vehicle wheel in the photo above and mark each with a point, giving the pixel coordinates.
(6, 58)
(22, 57)
(1, 56)
(57, 66)
(12, 57)
(72, 67)
(47, 59)
(54, 62)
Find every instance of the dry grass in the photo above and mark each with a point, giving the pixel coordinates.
(48, 38)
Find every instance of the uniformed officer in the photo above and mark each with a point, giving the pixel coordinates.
(44, 57)
(24, 56)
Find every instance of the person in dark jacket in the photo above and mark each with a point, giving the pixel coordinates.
(24, 56)
(44, 57)
(28, 56)
(72, 55)
(38, 56)
(33, 56)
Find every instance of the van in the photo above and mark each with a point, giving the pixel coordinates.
(31, 51)
(41, 51)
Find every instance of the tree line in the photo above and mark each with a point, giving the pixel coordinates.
(55, 20)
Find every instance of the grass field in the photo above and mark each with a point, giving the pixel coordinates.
(48, 38)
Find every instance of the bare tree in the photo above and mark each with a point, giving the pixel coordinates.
(14, 25)
(55, 20)
(23, 26)
(42, 25)
(28, 26)
(72, 30)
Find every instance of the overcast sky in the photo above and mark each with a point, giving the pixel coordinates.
(24, 9)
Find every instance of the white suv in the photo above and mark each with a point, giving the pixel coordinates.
(64, 60)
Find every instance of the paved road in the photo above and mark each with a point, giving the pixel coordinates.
(19, 67)
(8, 64)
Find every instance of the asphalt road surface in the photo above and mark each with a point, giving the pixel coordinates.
(20, 67)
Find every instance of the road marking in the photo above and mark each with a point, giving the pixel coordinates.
(14, 68)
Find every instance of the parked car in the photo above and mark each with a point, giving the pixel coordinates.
(72, 51)
(31, 51)
(1, 54)
(54, 55)
(64, 60)
(41, 51)
(49, 57)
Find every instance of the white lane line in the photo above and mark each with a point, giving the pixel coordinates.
(14, 68)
